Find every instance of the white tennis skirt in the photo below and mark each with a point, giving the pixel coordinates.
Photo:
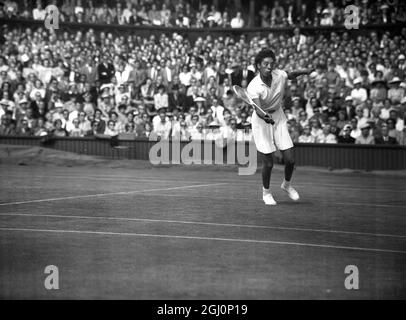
(268, 138)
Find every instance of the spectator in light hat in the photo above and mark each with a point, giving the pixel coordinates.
(358, 94)
(395, 93)
(366, 137)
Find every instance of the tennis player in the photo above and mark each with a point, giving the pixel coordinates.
(270, 132)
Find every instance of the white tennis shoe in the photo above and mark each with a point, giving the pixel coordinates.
(268, 199)
(292, 193)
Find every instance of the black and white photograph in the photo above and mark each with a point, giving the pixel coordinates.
(202, 150)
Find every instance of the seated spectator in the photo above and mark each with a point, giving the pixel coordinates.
(326, 136)
(237, 21)
(39, 12)
(358, 94)
(105, 70)
(193, 123)
(306, 136)
(40, 130)
(110, 129)
(75, 131)
(265, 15)
(130, 128)
(327, 18)
(385, 138)
(346, 135)
(147, 131)
(118, 124)
(185, 76)
(228, 132)
(355, 130)
(385, 110)
(23, 129)
(161, 98)
(315, 128)
(181, 131)
(147, 93)
(163, 128)
(378, 92)
(58, 131)
(395, 93)
(393, 132)
(366, 137)
(277, 14)
(197, 133)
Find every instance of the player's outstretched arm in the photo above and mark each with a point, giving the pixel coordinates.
(299, 72)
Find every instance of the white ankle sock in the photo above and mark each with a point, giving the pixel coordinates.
(265, 191)
(286, 183)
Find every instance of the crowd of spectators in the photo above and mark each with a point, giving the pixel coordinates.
(203, 14)
(84, 84)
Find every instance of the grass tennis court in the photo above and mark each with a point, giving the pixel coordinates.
(204, 233)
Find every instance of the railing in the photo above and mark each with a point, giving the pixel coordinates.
(335, 156)
(193, 33)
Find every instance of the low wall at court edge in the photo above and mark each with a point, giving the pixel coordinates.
(335, 156)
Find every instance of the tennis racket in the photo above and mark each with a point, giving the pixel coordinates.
(243, 95)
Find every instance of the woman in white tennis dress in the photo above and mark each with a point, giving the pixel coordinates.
(270, 132)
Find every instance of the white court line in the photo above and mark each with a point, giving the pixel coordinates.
(259, 200)
(201, 223)
(346, 203)
(145, 179)
(204, 238)
(109, 194)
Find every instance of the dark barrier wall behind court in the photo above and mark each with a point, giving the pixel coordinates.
(335, 156)
(193, 33)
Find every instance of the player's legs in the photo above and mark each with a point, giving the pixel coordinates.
(267, 165)
(263, 138)
(289, 166)
(285, 145)
(289, 161)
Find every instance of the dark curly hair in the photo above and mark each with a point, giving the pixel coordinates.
(264, 53)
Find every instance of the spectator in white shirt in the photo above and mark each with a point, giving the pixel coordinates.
(128, 12)
(355, 132)
(237, 21)
(197, 133)
(163, 128)
(38, 13)
(180, 131)
(218, 110)
(185, 76)
(358, 94)
(110, 129)
(161, 98)
(326, 136)
(306, 137)
(327, 19)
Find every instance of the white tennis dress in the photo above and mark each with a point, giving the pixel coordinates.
(267, 137)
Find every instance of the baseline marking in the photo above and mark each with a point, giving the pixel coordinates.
(205, 238)
(145, 179)
(108, 194)
(313, 199)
